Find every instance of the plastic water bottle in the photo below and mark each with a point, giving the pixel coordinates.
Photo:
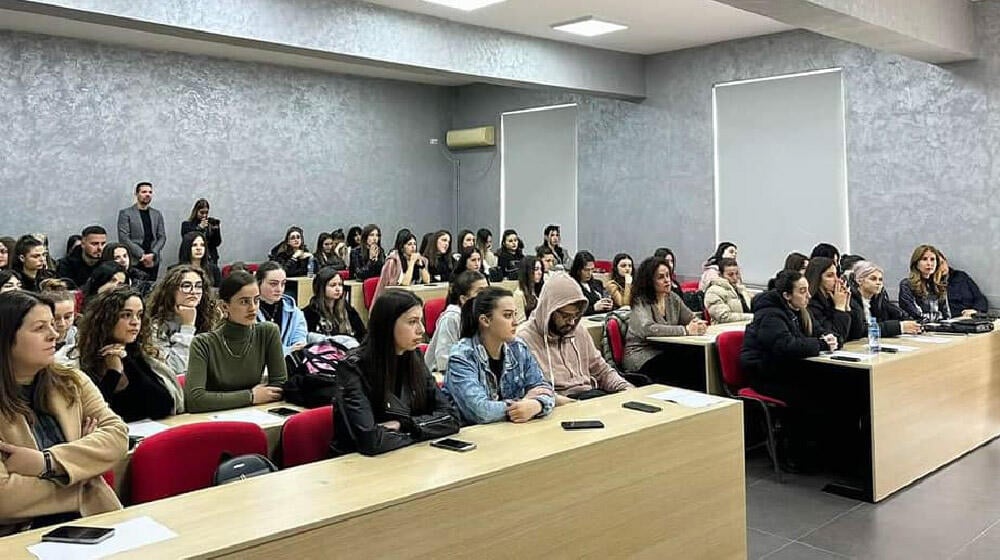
(874, 336)
(311, 269)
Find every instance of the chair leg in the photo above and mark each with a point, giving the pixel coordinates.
(772, 444)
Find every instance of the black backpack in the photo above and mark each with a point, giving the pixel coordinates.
(312, 379)
(241, 467)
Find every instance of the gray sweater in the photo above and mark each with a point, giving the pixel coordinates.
(645, 321)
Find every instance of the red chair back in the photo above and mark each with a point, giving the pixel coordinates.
(306, 436)
(617, 341)
(345, 275)
(250, 267)
(184, 458)
(689, 286)
(181, 378)
(603, 266)
(369, 287)
(707, 316)
(109, 477)
(78, 301)
(729, 344)
(432, 310)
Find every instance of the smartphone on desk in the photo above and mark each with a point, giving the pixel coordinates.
(583, 425)
(75, 534)
(283, 411)
(452, 444)
(641, 407)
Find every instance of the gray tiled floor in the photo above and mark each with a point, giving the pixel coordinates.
(952, 514)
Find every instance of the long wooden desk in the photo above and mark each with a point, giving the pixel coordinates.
(664, 485)
(927, 407)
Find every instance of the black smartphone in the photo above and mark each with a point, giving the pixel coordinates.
(641, 407)
(583, 425)
(133, 441)
(452, 444)
(283, 411)
(78, 535)
(889, 350)
(845, 358)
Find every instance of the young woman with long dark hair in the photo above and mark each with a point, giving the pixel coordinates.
(530, 279)
(389, 399)
(619, 284)
(368, 257)
(209, 227)
(582, 270)
(292, 254)
(180, 307)
(510, 255)
(448, 329)
(193, 252)
(329, 312)
(440, 262)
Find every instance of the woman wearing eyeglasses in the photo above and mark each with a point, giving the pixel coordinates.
(226, 364)
(180, 308)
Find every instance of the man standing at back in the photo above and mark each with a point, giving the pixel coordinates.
(140, 228)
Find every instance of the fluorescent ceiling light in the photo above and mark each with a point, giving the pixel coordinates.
(465, 5)
(588, 27)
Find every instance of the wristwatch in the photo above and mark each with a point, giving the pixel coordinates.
(49, 473)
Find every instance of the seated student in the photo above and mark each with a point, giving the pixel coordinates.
(725, 250)
(530, 279)
(58, 435)
(466, 240)
(368, 257)
(491, 374)
(846, 266)
(448, 328)
(869, 295)
(340, 248)
(9, 281)
(727, 299)
(279, 308)
(553, 236)
(179, 308)
(6, 252)
(484, 242)
(548, 259)
(80, 262)
(64, 311)
(562, 346)
(136, 278)
(353, 238)
(619, 283)
(668, 255)
(438, 254)
(656, 311)
(830, 299)
(598, 300)
(292, 253)
(510, 255)
(469, 259)
(209, 227)
(924, 295)
(115, 350)
(829, 251)
(225, 365)
(964, 296)
(794, 261)
(326, 254)
(404, 266)
(50, 264)
(107, 276)
(29, 262)
(192, 252)
(329, 313)
(389, 399)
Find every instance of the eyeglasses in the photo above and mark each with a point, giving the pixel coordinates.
(294, 236)
(188, 287)
(568, 317)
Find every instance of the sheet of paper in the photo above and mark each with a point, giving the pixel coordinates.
(930, 339)
(252, 415)
(129, 535)
(691, 399)
(900, 347)
(146, 428)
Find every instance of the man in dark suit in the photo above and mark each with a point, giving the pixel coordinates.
(140, 228)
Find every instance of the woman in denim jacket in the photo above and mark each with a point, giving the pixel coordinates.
(492, 376)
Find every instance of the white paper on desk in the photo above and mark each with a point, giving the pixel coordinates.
(146, 428)
(129, 535)
(900, 347)
(930, 339)
(691, 399)
(252, 415)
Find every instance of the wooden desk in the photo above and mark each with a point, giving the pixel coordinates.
(301, 288)
(927, 407)
(665, 485)
(356, 293)
(713, 371)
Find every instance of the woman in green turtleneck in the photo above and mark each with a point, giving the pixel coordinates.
(225, 365)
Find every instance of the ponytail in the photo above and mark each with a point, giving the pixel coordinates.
(482, 304)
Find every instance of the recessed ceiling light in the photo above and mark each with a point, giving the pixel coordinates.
(588, 26)
(465, 5)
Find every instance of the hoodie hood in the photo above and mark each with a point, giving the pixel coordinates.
(770, 299)
(559, 290)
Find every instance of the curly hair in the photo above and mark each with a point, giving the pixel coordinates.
(163, 300)
(644, 281)
(98, 324)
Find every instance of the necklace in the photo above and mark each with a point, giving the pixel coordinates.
(246, 347)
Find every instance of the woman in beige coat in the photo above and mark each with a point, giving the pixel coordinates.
(726, 299)
(57, 435)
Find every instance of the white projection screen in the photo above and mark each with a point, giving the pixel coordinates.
(780, 168)
(538, 174)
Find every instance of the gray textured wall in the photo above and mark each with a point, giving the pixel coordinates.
(268, 146)
(921, 144)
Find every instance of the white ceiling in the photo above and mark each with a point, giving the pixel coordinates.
(655, 26)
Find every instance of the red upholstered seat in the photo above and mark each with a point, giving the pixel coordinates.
(617, 342)
(306, 436)
(432, 310)
(689, 286)
(369, 290)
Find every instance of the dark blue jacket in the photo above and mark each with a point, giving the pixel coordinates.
(963, 293)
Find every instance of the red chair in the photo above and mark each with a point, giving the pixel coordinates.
(617, 342)
(251, 268)
(422, 347)
(689, 286)
(432, 310)
(707, 316)
(78, 301)
(306, 437)
(109, 477)
(729, 344)
(181, 378)
(184, 458)
(369, 289)
(345, 275)
(603, 266)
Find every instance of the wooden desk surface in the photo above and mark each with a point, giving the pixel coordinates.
(708, 339)
(665, 485)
